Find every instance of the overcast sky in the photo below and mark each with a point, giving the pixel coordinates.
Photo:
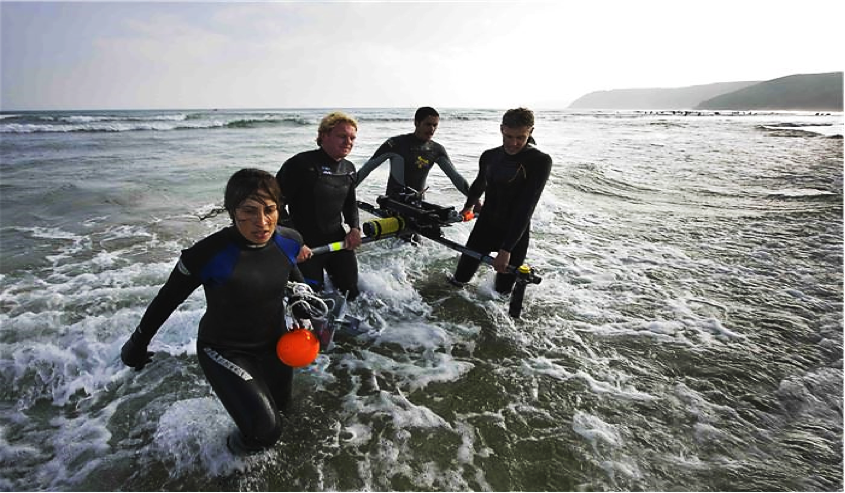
(98, 55)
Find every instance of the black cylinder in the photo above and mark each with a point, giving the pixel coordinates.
(517, 295)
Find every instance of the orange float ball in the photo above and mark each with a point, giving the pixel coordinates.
(298, 347)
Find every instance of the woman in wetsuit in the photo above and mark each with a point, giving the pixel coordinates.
(244, 269)
(512, 177)
(318, 187)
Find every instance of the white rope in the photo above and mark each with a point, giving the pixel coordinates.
(313, 304)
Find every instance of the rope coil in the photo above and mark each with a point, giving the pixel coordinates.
(303, 300)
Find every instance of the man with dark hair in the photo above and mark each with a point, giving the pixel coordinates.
(412, 157)
(512, 176)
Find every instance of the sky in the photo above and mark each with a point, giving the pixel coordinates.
(195, 55)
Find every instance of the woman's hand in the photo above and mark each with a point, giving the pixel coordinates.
(304, 254)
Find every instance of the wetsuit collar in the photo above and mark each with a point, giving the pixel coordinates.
(242, 242)
(329, 159)
(524, 149)
(418, 140)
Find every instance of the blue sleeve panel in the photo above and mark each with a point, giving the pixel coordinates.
(219, 269)
(289, 242)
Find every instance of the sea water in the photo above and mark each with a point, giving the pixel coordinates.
(686, 335)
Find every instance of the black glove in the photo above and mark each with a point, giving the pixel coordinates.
(134, 353)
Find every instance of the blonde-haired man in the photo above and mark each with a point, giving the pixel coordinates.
(318, 188)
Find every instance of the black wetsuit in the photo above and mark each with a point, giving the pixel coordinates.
(317, 190)
(512, 186)
(244, 289)
(410, 161)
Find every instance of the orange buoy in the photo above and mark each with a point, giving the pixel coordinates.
(298, 347)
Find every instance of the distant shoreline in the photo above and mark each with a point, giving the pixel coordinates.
(803, 92)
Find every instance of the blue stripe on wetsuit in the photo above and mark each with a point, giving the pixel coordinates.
(288, 246)
(219, 269)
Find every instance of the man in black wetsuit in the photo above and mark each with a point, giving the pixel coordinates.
(512, 176)
(318, 187)
(412, 157)
(244, 270)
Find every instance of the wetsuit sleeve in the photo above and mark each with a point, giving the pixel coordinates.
(176, 290)
(479, 185)
(296, 275)
(350, 209)
(291, 234)
(289, 242)
(282, 179)
(397, 169)
(380, 156)
(459, 181)
(527, 201)
(350, 205)
(289, 179)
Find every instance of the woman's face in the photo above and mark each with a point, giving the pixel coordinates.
(256, 220)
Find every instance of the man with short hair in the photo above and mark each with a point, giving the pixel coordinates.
(512, 176)
(412, 157)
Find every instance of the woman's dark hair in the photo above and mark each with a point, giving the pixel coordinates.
(250, 183)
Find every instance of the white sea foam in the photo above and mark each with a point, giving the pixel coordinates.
(825, 130)
(594, 430)
(644, 273)
(191, 435)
